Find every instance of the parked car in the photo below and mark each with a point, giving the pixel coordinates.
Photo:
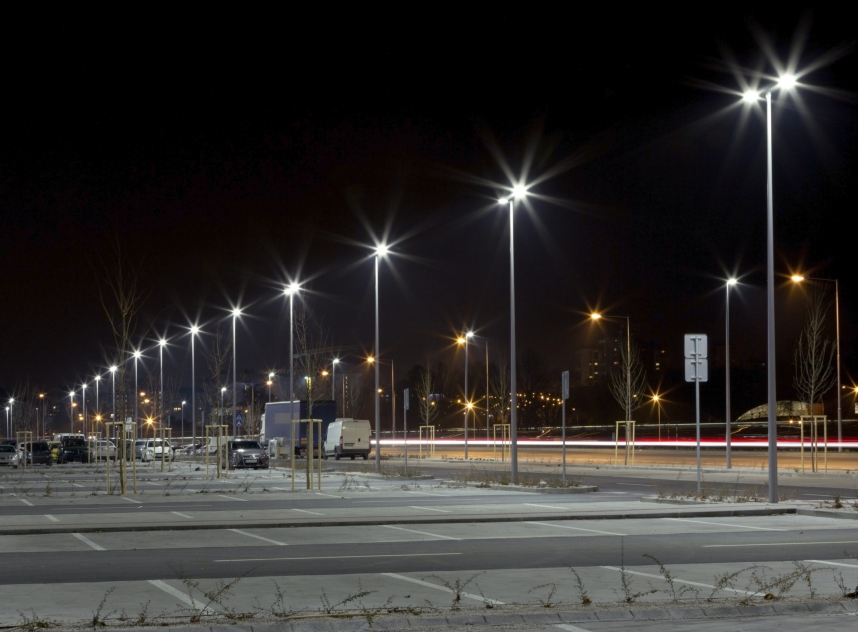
(347, 437)
(54, 446)
(8, 455)
(156, 449)
(72, 448)
(139, 446)
(246, 453)
(102, 449)
(36, 452)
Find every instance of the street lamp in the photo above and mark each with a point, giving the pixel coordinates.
(786, 83)
(628, 363)
(729, 414)
(291, 290)
(380, 251)
(463, 340)
(518, 191)
(236, 312)
(270, 384)
(113, 370)
(220, 415)
(83, 395)
(71, 410)
(194, 331)
(11, 416)
(657, 401)
(334, 363)
(137, 355)
(161, 344)
(797, 278)
(183, 419)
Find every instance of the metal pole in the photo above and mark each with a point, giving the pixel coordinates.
(161, 394)
(377, 366)
(697, 408)
(466, 397)
(234, 377)
(513, 412)
(136, 397)
(193, 399)
(839, 393)
(487, 393)
(628, 383)
(727, 359)
(83, 391)
(333, 386)
(292, 373)
(770, 269)
(392, 403)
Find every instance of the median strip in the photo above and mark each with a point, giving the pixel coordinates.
(434, 535)
(26, 502)
(178, 594)
(244, 500)
(493, 602)
(563, 526)
(806, 543)
(315, 513)
(51, 518)
(89, 542)
(724, 524)
(258, 537)
(432, 509)
(337, 557)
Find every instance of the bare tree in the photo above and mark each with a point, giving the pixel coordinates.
(314, 355)
(357, 397)
(424, 389)
(499, 392)
(814, 367)
(26, 409)
(218, 355)
(628, 380)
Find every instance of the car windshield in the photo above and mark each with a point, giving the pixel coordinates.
(74, 442)
(40, 445)
(6, 448)
(245, 445)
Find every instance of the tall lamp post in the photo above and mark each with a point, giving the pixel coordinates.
(518, 191)
(113, 370)
(334, 363)
(463, 340)
(372, 360)
(83, 395)
(97, 380)
(71, 410)
(11, 416)
(136, 389)
(290, 291)
(729, 411)
(786, 83)
(270, 384)
(235, 314)
(194, 331)
(380, 251)
(161, 344)
(797, 278)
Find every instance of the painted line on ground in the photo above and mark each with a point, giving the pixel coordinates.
(328, 495)
(131, 500)
(178, 594)
(51, 518)
(282, 489)
(76, 485)
(178, 513)
(152, 483)
(547, 506)
(494, 602)
(432, 509)
(722, 546)
(258, 537)
(724, 524)
(89, 542)
(408, 491)
(26, 502)
(434, 535)
(634, 484)
(835, 563)
(570, 628)
(678, 581)
(244, 500)
(315, 513)
(337, 557)
(563, 526)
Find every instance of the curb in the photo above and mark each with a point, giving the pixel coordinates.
(581, 489)
(827, 513)
(622, 515)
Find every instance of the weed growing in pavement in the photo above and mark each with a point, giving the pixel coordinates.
(675, 594)
(34, 622)
(279, 608)
(579, 586)
(626, 581)
(97, 618)
(547, 602)
(216, 596)
(328, 607)
(143, 615)
(457, 587)
(728, 581)
(779, 585)
(48, 489)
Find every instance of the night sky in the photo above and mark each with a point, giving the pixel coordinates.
(231, 156)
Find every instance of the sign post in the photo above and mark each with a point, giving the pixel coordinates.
(405, 427)
(564, 395)
(696, 370)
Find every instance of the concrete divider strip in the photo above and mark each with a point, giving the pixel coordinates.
(563, 526)
(258, 537)
(724, 524)
(434, 535)
(51, 518)
(88, 542)
(494, 602)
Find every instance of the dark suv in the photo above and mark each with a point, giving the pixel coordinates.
(37, 452)
(72, 449)
(246, 453)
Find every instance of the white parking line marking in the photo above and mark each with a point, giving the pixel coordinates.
(328, 495)
(181, 514)
(131, 500)
(563, 526)
(570, 628)
(282, 489)
(258, 537)
(444, 588)
(432, 509)
(724, 524)
(151, 483)
(315, 513)
(424, 493)
(722, 546)
(547, 506)
(678, 581)
(89, 542)
(76, 485)
(600, 492)
(26, 502)
(434, 535)
(337, 557)
(244, 500)
(634, 484)
(178, 594)
(835, 563)
(51, 518)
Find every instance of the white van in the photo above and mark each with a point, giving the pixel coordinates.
(347, 437)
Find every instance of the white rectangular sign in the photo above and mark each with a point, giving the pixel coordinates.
(565, 384)
(701, 345)
(702, 370)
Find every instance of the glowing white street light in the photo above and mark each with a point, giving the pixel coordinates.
(291, 290)
(518, 191)
(380, 251)
(463, 340)
(194, 331)
(236, 312)
(113, 370)
(334, 363)
(137, 355)
(161, 344)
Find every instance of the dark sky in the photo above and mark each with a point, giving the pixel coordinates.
(227, 155)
